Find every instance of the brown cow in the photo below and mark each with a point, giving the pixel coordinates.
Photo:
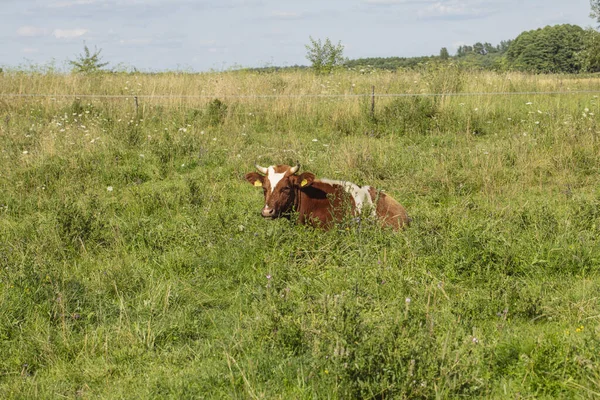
(321, 202)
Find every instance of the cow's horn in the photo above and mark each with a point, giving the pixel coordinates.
(295, 169)
(261, 169)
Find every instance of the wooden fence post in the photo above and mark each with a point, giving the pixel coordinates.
(373, 101)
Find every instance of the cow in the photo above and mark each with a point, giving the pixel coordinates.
(322, 202)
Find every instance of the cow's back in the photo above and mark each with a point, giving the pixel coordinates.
(326, 201)
(389, 211)
(321, 204)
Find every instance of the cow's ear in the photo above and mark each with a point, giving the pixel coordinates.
(305, 179)
(255, 178)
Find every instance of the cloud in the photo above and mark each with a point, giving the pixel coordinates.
(69, 33)
(70, 3)
(206, 43)
(286, 15)
(135, 41)
(112, 4)
(31, 31)
(455, 9)
(387, 2)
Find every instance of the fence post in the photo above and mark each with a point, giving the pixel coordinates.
(373, 101)
(136, 105)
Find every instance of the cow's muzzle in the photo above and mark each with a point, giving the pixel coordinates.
(268, 212)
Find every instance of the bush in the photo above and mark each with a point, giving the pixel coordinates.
(88, 63)
(215, 112)
(409, 114)
(324, 57)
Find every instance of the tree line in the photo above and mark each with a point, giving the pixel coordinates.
(553, 49)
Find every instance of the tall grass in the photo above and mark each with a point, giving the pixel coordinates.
(134, 262)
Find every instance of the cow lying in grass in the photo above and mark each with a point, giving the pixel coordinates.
(321, 202)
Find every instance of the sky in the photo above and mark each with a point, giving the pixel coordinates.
(203, 35)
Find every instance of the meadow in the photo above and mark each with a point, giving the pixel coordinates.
(134, 262)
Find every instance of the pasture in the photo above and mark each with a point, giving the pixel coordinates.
(134, 262)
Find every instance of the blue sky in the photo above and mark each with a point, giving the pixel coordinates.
(200, 35)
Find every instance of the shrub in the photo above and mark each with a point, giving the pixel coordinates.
(409, 114)
(215, 112)
(88, 63)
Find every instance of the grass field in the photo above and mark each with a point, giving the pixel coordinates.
(134, 262)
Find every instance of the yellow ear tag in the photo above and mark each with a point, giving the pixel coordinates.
(304, 182)
(257, 183)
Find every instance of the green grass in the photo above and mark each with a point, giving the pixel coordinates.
(171, 285)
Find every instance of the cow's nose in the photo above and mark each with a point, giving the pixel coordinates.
(268, 212)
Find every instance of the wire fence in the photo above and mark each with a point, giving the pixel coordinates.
(293, 96)
(370, 96)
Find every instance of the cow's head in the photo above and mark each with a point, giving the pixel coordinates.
(280, 184)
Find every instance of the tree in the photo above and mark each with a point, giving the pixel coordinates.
(489, 48)
(88, 63)
(504, 45)
(595, 13)
(479, 48)
(590, 55)
(464, 50)
(553, 49)
(324, 57)
(444, 55)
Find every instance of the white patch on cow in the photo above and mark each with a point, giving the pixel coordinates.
(274, 178)
(360, 195)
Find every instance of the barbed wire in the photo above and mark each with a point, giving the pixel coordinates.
(276, 96)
